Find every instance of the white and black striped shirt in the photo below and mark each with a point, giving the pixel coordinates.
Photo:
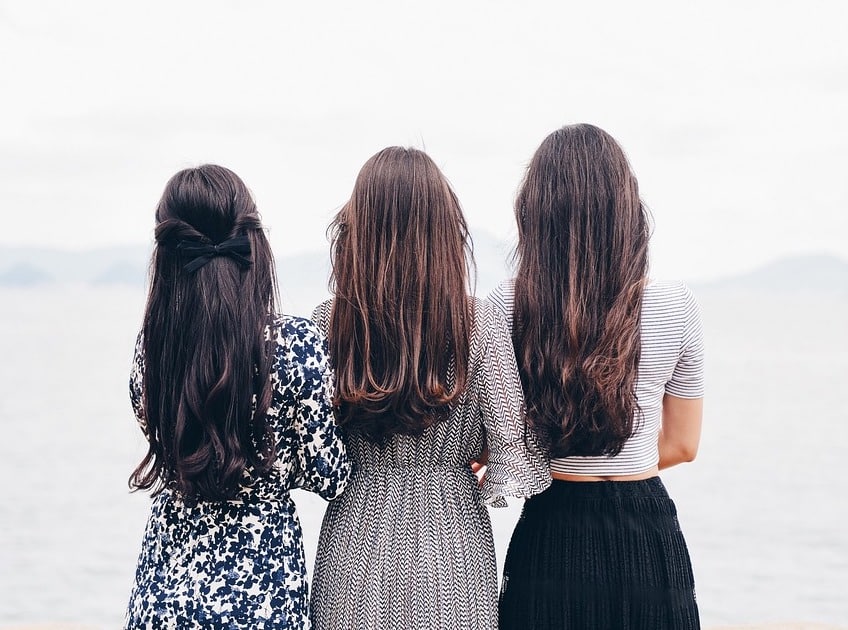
(672, 362)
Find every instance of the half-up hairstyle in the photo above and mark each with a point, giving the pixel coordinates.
(582, 262)
(399, 326)
(206, 380)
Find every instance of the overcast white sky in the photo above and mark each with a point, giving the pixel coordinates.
(733, 113)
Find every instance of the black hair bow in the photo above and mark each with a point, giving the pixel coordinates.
(237, 248)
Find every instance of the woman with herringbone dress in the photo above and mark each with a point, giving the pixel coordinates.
(426, 378)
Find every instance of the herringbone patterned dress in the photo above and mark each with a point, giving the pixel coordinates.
(409, 544)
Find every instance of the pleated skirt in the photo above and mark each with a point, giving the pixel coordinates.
(599, 555)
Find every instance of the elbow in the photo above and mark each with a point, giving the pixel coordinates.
(688, 452)
(675, 453)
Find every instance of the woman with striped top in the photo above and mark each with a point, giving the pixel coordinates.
(612, 369)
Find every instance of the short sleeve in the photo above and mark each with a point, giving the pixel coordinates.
(517, 467)
(321, 462)
(137, 384)
(687, 380)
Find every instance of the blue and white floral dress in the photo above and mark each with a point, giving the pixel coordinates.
(240, 563)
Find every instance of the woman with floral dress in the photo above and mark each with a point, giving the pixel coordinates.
(235, 402)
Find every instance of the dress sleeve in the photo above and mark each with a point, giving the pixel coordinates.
(687, 380)
(322, 465)
(137, 384)
(517, 467)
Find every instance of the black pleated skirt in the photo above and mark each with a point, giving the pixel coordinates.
(597, 556)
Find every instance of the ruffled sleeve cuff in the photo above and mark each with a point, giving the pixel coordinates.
(517, 470)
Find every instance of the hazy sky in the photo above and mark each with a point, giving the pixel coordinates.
(733, 113)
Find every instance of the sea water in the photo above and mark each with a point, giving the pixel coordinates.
(763, 508)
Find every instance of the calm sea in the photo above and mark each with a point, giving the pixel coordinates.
(764, 507)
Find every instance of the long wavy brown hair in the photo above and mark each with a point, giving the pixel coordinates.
(582, 262)
(399, 327)
(207, 364)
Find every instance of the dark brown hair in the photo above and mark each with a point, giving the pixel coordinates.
(207, 364)
(582, 261)
(399, 327)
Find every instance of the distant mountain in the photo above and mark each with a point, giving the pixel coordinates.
(304, 278)
(24, 275)
(304, 274)
(814, 273)
(122, 273)
(89, 266)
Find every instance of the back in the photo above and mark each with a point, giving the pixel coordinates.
(411, 537)
(671, 362)
(198, 563)
(491, 404)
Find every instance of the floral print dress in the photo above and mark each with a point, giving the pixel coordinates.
(240, 563)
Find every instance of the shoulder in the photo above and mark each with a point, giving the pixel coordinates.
(668, 295)
(297, 337)
(502, 297)
(291, 326)
(670, 309)
(489, 323)
(321, 315)
(138, 348)
(484, 312)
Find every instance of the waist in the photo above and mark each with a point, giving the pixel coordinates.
(639, 459)
(611, 501)
(412, 474)
(639, 476)
(246, 497)
(417, 467)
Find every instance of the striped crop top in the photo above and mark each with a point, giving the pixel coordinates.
(672, 362)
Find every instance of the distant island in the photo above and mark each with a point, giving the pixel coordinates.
(817, 273)
(28, 266)
(24, 274)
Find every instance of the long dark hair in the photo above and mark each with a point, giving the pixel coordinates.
(399, 327)
(207, 363)
(582, 262)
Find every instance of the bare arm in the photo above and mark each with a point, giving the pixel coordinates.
(681, 430)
